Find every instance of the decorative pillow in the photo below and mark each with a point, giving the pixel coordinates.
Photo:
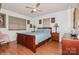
(2, 36)
(47, 30)
(40, 30)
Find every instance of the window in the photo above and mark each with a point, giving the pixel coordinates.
(17, 23)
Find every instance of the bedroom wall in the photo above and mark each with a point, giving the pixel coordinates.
(63, 18)
(12, 34)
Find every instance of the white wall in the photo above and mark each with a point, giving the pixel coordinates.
(12, 34)
(63, 18)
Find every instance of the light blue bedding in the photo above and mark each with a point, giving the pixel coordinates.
(40, 35)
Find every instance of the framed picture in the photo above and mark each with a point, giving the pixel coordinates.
(2, 21)
(40, 21)
(53, 20)
(28, 21)
(30, 25)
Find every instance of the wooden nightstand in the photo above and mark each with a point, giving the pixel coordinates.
(55, 36)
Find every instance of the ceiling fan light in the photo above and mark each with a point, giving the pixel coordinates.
(34, 10)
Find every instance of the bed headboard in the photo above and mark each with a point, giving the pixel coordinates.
(45, 28)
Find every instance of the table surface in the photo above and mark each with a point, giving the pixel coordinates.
(67, 36)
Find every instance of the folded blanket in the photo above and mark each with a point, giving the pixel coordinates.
(3, 36)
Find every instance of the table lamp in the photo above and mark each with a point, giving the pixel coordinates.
(56, 26)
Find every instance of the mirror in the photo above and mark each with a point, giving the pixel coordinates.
(76, 18)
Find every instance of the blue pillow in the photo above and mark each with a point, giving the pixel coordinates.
(40, 30)
(43, 30)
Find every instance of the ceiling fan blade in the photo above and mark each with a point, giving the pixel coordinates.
(37, 5)
(29, 7)
(39, 10)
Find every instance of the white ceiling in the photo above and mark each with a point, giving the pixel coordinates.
(45, 7)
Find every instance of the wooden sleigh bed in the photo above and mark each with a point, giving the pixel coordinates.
(29, 41)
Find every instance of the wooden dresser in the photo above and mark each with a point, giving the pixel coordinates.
(55, 36)
(70, 46)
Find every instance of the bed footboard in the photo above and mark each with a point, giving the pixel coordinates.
(27, 40)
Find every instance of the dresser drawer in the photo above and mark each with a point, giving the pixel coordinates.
(55, 36)
(70, 47)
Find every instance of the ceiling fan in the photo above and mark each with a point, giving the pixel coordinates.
(34, 8)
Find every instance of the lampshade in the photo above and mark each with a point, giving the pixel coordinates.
(56, 25)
